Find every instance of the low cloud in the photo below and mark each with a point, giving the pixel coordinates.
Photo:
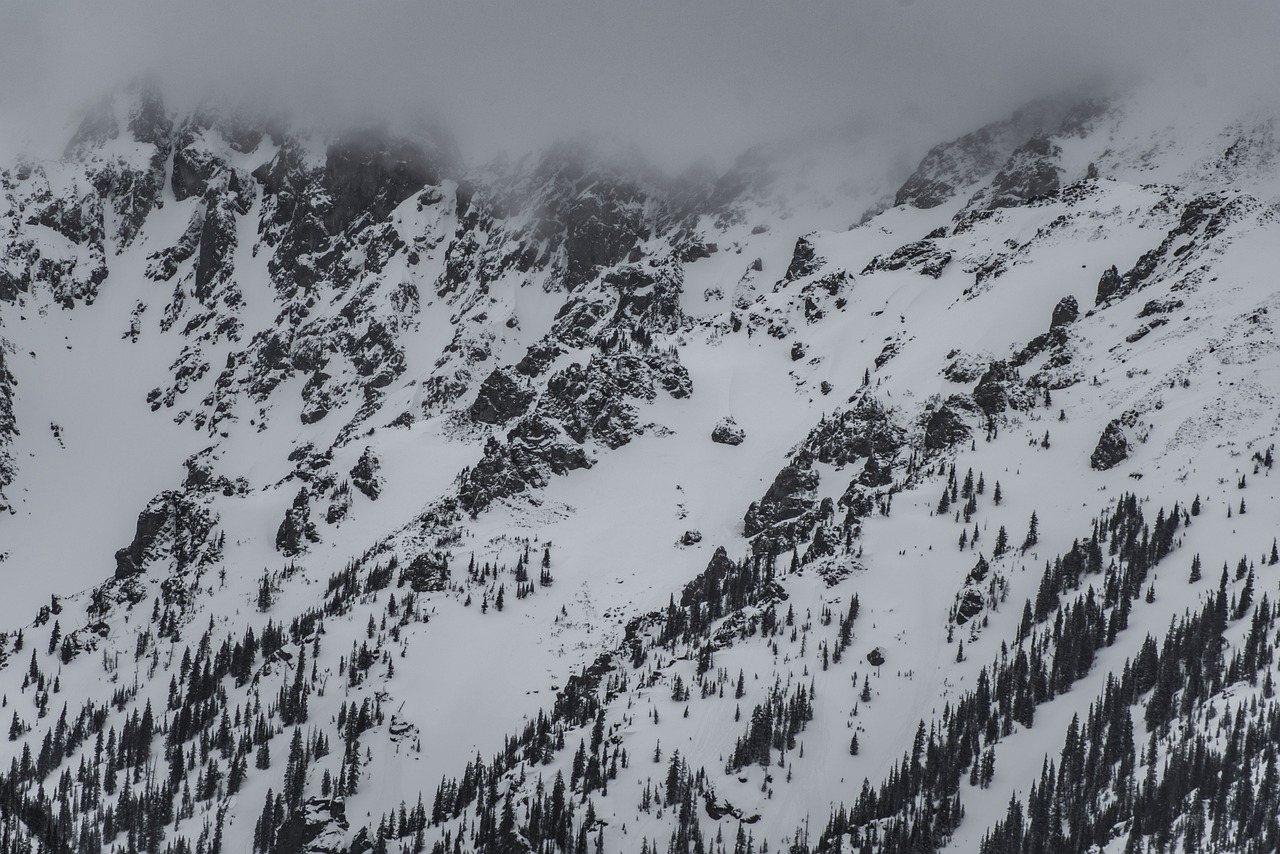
(681, 79)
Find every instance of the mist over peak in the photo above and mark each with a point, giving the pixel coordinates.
(682, 81)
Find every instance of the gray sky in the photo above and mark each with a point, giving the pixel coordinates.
(682, 79)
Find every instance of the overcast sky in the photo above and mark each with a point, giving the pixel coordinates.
(680, 78)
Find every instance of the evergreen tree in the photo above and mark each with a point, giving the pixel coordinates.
(1033, 533)
(1002, 542)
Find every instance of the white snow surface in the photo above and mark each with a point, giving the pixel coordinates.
(1202, 389)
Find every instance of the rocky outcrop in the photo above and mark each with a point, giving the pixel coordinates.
(1108, 285)
(536, 448)
(945, 427)
(1112, 448)
(74, 266)
(1066, 312)
(173, 530)
(923, 256)
(790, 496)
(318, 826)
(952, 166)
(971, 601)
(1203, 220)
(805, 260)
(371, 173)
(163, 264)
(865, 429)
(297, 530)
(218, 238)
(877, 472)
(1031, 173)
(503, 395)
(8, 427)
(999, 389)
(365, 475)
(596, 400)
(727, 432)
(648, 298)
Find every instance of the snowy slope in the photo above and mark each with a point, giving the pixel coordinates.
(338, 390)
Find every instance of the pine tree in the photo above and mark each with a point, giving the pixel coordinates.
(1033, 533)
(266, 596)
(1246, 596)
(1002, 542)
(263, 758)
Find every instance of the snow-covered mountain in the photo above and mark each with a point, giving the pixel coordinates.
(362, 498)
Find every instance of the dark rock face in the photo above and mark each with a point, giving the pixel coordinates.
(1203, 219)
(648, 297)
(296, 529)
(924, 256)
(1031, 173)
(339, 506)
(1108, 286)
(1066, 312)
(591, 210)
(969, 606)
(999, 389)
(171, 528)
(727, 432)
(8, 428)
(319, 825)
(1162, 306)
(864, 430)
(202, 479)
(365, 477)
(805, 260)
(876, 473)
(1112, 448)
(503, 395)
(719, 567)
(373, 173)
(539, 357)
(217, 246)
(134, 192)
(979, 573)
(535, 449)
(595, 401)
(951, 166)
(194, 164)
(789, 496)
(73, 271)
(945, 428)
(317, 398)
(578, 319)
(162, 265)
(428, 572)
(876, 657)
